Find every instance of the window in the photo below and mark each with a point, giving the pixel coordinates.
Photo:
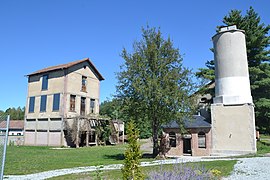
(43, 103)
(172, 138)
(31, 105)
(72, 102)
(56, 102)
(83, 106)
(201, 140)
(92, 105)
(84, 83)
(45, 82)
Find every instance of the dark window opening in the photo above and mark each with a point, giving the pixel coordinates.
(84, 81)
(45, 82)
(92, 105)
(172, 138)
(43, 103)
(201, 140)
(72, 102)
(56, 102)
(31, 105)
(83, 106)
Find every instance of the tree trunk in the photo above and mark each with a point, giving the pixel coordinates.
(155, 138)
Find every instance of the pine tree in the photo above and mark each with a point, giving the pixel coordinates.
(131, 169)
(257, 41)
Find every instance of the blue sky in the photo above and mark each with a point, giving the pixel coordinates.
(35, 34)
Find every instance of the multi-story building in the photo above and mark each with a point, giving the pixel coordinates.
(57, 94)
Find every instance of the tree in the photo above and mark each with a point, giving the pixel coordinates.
(16, 113)
(153, 84)
(131, 169)
(257, 41)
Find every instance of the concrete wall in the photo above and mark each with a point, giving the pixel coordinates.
(231, 68)
(46, 128)
(233, 129)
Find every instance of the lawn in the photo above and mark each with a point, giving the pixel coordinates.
(27, 160)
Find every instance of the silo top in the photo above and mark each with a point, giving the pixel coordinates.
(228, 29)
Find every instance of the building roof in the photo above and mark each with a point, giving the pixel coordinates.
(13, 124)
(68, 65)
(197, 121)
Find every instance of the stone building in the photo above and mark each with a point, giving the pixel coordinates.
(195, 140)
(56, 96)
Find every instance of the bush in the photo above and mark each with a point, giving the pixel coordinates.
(132, 169)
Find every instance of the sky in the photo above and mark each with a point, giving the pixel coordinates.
(35, 34)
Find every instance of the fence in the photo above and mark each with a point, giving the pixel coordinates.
(4, 126)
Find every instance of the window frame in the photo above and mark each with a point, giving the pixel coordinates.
(43, 103)
(201, 139)
(31, 107)
(56, 102)
(172, 138)
(45, 82)
(83, 105)
(92, 105)
(84, 83)
(72, 101)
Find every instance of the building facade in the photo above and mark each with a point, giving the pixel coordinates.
(194, 141)
(56, 95)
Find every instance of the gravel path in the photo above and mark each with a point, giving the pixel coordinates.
(257, 168)
(251, 168)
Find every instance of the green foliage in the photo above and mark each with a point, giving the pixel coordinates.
(257, 42)
(103, 133)
(153, 85)
(132, 169)
(111, 109)
(16, 113)
(28, 160)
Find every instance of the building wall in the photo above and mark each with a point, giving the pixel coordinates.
(238, 136)
(46, 128)
(196, 151)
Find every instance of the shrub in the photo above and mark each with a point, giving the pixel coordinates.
(132, 169)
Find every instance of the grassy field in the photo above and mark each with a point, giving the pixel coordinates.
(27, 160)
(225, 167)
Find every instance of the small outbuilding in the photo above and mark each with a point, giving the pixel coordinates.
(195, 140)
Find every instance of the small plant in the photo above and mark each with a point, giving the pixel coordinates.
(132, 169)
(99, 173)
(216, 172)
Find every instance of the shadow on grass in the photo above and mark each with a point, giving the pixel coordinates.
(147, 156)
(122, 157)
(115, 157)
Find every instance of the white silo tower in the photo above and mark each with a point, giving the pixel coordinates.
(233, 121)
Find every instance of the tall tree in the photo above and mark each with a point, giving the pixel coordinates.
(153, 83)
(257, 42)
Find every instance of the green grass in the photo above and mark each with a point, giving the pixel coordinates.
(27, 160)
(225, 167)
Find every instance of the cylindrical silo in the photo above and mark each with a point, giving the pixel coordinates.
(232, 84)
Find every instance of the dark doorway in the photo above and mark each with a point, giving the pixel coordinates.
(187, 146)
